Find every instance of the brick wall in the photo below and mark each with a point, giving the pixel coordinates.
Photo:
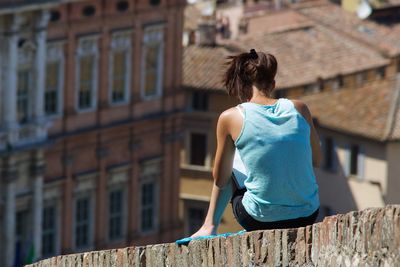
(366, 238)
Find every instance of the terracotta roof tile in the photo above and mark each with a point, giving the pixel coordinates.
(305, 54)
(363, 111)
(371, 33)
(203, 66)
(278, 22)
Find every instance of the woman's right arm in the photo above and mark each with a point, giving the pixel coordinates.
(314, 139)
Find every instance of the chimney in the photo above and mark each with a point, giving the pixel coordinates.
(206, 32)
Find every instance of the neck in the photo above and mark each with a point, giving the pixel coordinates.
(260, 98)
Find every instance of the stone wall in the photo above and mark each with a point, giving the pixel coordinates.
(366, 238)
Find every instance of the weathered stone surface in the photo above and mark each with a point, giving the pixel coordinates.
(366, 238)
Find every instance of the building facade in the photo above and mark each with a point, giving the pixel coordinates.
(90, 125)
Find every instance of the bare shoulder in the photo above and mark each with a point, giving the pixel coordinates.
(230, 121)
(302, 108)
(229, 114)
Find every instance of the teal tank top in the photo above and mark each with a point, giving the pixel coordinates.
(274, 145)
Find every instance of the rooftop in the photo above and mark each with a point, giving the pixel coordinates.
(375, 35)
(375, 112)
(203, 66)
(277, 22)
(312, 51)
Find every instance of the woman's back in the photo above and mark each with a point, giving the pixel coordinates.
(278, 146)
(274, 144)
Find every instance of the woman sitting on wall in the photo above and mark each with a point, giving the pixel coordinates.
(278, 145)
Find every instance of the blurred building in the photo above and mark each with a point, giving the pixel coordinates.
(359, 128)
(90, 125)
(382, 11)
(346, 69)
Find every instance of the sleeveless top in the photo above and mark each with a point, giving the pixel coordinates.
(274, 145)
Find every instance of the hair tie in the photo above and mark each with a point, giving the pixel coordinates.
(253, 54)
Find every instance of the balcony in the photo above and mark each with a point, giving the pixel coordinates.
(23, 135)
(11, 6)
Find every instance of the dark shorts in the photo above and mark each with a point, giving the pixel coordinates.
(251, 224)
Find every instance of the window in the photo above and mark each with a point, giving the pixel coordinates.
(115, 211)
(23, 234)
(354, 151)
(51, 90)
(320, 85)
(122, 6)
(355, 161)
(195, 219)
(198, 149)
(200, 100)
(86, 82)
(49, 231)
(338, 82)
(152, 62)
(87, 61)
(82, 222)
(147, 211)
(329, 154)
(311, 88)
(361, 78)
(151, 68)
(54, 79)
(23, 99)
(120, 57)
(381, 72)
(119, 68)
(155, 2)
(149, 175)
(55, 15)
(88, 11)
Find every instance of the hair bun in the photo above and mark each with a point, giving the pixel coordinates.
(253, 53)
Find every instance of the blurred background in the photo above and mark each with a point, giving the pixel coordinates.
(108, 111)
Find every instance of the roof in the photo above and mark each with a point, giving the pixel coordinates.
(203, 66)
(371, 111)
(278, 22)
(307, 51)
(378, 36)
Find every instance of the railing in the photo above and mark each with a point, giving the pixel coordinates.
(22, 135)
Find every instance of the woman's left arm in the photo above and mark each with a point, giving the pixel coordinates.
(222, 187)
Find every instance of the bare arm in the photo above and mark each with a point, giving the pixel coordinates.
(314, 139)
(222, 188)
(225, 150)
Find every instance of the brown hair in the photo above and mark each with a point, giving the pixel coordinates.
(248, 69)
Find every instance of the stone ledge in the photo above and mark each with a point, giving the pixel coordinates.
(365, 238)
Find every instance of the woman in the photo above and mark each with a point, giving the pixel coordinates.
(278, 145)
